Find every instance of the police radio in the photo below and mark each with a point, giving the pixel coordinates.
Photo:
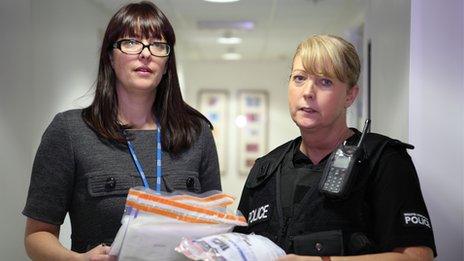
(338, 172)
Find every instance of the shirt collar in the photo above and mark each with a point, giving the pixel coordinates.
(299, 159)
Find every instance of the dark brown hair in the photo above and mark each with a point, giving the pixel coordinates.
(180, 124)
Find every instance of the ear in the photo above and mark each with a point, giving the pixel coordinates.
(351, 94)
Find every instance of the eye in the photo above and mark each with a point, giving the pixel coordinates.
(129, 43)
(298, 78)
(158, 46)
(324, 82)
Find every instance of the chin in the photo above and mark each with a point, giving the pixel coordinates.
(145, 86)
(306, 125)
(306, 121)
(307, 128)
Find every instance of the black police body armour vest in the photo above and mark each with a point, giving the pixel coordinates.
(318, 225)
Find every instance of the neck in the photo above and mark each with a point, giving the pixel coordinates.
(316, 144)
(136, 110)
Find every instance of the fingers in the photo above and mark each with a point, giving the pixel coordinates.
(293, 257)
(286, 258)
(106, 250)
(99, 253)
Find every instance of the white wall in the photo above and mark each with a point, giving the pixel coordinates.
(436, 116)
(15, 154)
(233, 76)
(67, 36)
(48, 61)
(387, 26)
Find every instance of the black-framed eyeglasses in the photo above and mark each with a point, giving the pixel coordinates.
(132, 46)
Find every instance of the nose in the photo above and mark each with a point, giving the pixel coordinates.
(145, 52)
(308, 89)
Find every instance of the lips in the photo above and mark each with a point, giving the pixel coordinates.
(143, 69)
(308, 110)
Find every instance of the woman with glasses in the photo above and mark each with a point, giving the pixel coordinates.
(138, 131)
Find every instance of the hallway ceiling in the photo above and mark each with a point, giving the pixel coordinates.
(278, 25)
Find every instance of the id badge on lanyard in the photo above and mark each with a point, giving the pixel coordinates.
(139, 167)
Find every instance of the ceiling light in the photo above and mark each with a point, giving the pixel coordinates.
(231, 56)
(229, 40)
(222, 1)
(221, 24)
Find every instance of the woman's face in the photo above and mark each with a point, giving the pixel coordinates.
(317, 102)
(138, 73)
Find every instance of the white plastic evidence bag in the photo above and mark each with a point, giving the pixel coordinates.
(230, 246)
(153, 223)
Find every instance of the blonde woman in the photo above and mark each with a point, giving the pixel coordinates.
(382, 217)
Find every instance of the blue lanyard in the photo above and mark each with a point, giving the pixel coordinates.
(158, 162)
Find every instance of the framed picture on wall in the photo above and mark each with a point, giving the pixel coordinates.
(214, 105)
(252, 121)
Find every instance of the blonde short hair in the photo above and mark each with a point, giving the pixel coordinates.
(330, 56)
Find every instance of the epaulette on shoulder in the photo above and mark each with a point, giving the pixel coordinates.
(373, 139)
(375, 143)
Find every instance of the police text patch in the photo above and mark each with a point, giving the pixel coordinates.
(259, 214)
(415, 220)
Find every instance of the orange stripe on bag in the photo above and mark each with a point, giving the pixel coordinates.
(166, 213)
(209, 202)
(205, 199)
(166, 201)
(230, 199)
(214, 203)
(169, 202)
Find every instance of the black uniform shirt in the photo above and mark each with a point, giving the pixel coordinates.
(302, 180)
(398, 211)
(294, 185)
